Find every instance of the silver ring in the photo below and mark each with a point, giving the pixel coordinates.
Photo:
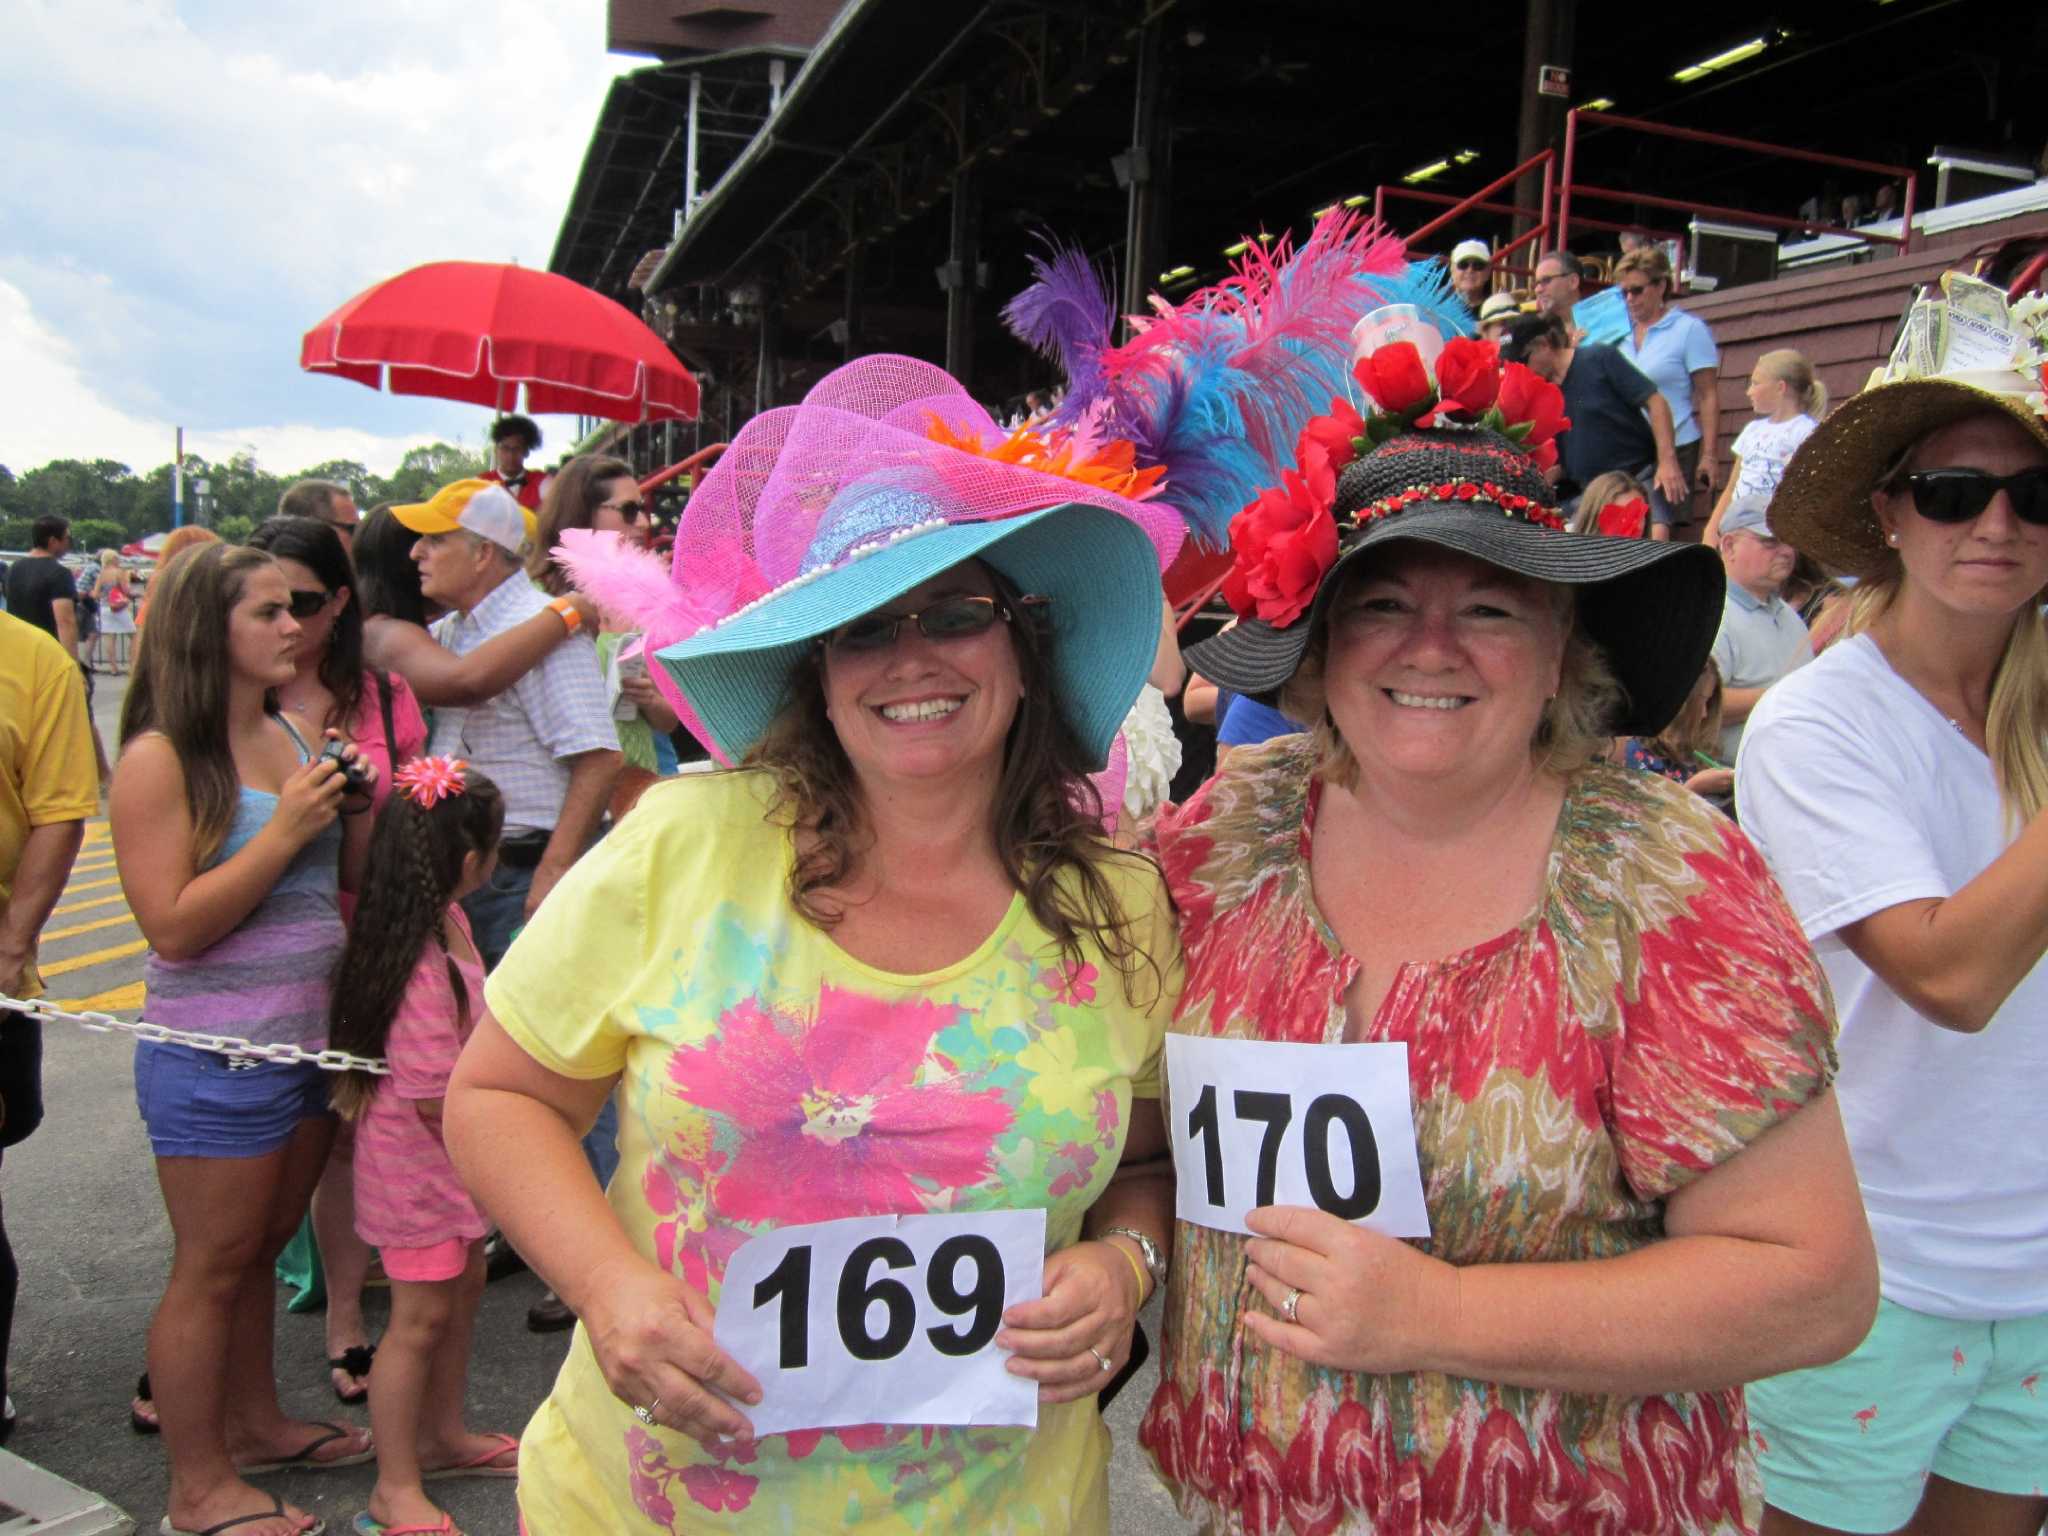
(1101, 1359)
(1292, 1305)
(646, 1415)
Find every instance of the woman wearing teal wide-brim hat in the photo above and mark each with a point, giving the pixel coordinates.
(889, 967)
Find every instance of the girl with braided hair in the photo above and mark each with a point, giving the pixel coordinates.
(407, 989)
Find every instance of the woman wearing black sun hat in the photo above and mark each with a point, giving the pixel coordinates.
(1618, 1047)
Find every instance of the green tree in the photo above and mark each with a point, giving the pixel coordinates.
(90, 535)
(234, 528)
(424, 470)
(15, 532)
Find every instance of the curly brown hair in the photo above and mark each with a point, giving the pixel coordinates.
(1046, 820)
(415, 864)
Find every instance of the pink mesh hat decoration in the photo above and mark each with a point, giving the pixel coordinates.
(886, 475)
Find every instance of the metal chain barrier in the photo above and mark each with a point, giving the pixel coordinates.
(224, 1045)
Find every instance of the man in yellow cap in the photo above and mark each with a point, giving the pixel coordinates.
(547, 741)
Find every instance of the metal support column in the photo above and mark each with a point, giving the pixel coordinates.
(1547, 38)
(1144, 172)
(764, 359)
(690, 161)
(957, 278)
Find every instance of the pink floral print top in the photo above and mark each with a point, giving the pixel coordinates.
(1658, 1013)
(769, 1078)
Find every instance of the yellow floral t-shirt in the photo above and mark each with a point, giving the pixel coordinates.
(671, 955)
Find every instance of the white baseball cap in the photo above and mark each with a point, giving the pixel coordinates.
(481, 507)
(1466, 250)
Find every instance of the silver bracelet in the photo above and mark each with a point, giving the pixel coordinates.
(1155, 1261)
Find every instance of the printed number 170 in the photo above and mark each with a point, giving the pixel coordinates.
(1276, 1112)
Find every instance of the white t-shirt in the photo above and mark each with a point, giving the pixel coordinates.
(1860, 796)
(1765, 447)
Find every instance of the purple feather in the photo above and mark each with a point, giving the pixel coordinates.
(1065, 314)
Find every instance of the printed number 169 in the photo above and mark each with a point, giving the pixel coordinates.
(859, 1290)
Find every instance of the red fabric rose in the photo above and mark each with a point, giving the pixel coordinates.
(1624, 519)
(1283, 543)
(1335, 434)
(1526, 396)
(1467, 377)
(1543, 455)
(1394, 377)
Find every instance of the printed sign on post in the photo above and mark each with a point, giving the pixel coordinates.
(883, 1319)
(1257, 1123)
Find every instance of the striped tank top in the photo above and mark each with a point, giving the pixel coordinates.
(266, 980)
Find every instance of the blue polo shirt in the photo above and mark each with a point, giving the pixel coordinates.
(1674, 349)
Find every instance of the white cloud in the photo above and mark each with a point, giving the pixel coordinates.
(190, 184)
(49, 409)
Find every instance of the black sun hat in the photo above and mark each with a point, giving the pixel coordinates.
(1457, 462)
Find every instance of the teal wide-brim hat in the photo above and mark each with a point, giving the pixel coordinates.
(887, 475)
(1098, 570)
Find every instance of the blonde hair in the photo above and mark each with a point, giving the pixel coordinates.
(1601, 492)
(1572, 732)
(1682, 742)
(1790, 367)
(2018, 716)
(1649, 260)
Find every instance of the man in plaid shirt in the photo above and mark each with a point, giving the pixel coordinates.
(548, 741)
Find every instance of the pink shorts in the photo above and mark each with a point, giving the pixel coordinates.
(425, 1266)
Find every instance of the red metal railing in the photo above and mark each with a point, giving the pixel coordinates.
(681, 467)
(1555, 229)
(1904, 240)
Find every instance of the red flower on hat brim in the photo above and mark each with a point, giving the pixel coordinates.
(1284, 543)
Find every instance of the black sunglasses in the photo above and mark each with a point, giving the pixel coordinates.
(629, 511)
(1473, 264)
(1957, 495)
(305, 604)
(1634, 290)
(950, 618)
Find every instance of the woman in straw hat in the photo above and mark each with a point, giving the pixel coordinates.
(889, 966)
(1614, 1043)
(1896, 788)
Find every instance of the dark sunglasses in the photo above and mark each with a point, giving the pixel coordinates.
(1634, 290)
(1957, 495)
(950, 618)
(305, 604)
(632, 511)
(1473, 264)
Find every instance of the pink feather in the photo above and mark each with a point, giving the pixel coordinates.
(631, 585)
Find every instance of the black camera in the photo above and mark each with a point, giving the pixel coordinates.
(354, 775)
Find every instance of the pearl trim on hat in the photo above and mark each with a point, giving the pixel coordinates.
(858, 552)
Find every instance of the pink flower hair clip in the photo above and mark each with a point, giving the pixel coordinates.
(427, 781)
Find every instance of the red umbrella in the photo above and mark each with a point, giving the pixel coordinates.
(477, 331)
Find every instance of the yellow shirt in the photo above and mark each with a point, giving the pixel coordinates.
(769, 1078)
(47, 772)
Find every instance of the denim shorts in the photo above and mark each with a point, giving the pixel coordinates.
(1849, 1445)
(201, 1104)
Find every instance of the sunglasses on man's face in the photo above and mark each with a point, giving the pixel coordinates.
(1473, 264)
(950, 618)
(305, 604)
(1957, 495)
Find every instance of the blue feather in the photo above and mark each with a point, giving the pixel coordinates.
(1427, 285)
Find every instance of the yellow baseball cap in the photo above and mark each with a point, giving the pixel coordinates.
(481, 507)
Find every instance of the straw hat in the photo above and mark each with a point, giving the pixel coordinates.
(1936, 376)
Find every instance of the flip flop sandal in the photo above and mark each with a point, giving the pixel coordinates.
(305, 1460)
(366, 1525)
(480, 1464)
(136, 1421)
(275, 1512)
(355, 1360)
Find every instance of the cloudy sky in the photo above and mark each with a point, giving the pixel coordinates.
(188, 185)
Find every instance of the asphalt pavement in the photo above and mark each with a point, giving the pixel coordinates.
(93, 1244)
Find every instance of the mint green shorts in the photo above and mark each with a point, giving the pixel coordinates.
(1850, 1445)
